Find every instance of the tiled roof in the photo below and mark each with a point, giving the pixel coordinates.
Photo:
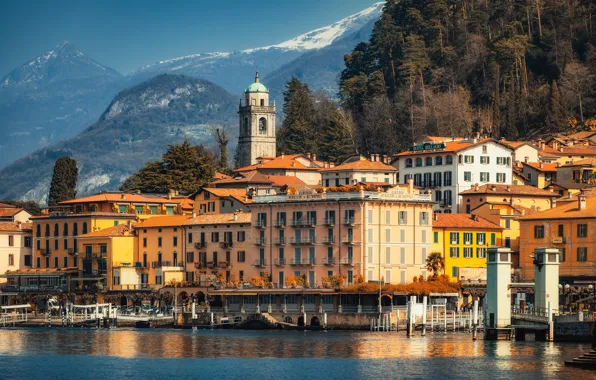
(239, 218)
(462, 221)
(287, 161)
(239, 194)
(580, 135)
(13, 226)
(249, 177)
(567, 211)
(508, 189)
(569, 151)
(514, 144)
(542, 166)
(119, 230)
(4, 205)
(451, 147)
(114, 215)
(6, 212)
(164, 221)
(219, 175)
(44, 271)
(585, 162)
(361, 164)
(118, 197)
(285, 180)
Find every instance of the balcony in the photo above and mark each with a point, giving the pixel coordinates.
(329, 222)
(308, 261)
(559, 240)
(305, 222)
(349, 240)
(329, 261)
(446, 204)
(329, 240)
(280, 223)
(45, 252)
(428, 184)
(349, 221)
(280, 241)
(224, 265)
(226, 244)
(349, 261)
(303, 240)
(260, 263)
(260, 241)
(280, 262)
(161, 264)
(99, 255)
(201, 244)
(73, 251)
(261, 224)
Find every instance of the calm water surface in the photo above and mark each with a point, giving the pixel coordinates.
(206, 354)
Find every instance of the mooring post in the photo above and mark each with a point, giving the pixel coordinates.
(408, 319)
(551, 329)
(424, 300)
(475, 320)
(325, 320)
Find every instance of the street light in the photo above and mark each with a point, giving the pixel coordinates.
(593, 290)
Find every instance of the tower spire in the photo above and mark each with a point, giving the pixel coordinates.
(257, 77)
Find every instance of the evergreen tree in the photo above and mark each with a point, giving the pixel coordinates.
(222, 143)
(64, 181)
(183, 167)
(555, 116)
(337, 142)
(510, 131)
(296, 134)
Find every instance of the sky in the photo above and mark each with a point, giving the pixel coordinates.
(126, 34)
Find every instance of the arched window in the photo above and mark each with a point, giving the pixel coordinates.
(75, 229)
(84, 228)
(409, 163)
(65, 232)
(246, 129)
(429, 161)
(419, 161)
(56, 230)
(38, 232)
(262, 126)
(449, 160)
(47, 230)
(439, 160)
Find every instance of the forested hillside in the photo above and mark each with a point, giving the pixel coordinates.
(512, 68)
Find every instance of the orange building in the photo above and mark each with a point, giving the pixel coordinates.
(569, 227)
(220, 201)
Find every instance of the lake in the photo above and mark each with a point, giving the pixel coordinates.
(229, 354)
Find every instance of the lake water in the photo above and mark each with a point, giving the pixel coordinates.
(227, 354)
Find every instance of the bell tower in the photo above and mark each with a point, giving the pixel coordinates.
(257, 124)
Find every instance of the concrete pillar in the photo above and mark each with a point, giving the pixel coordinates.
(546, 278)
(498, 292)
(475, 320)
(424, 315)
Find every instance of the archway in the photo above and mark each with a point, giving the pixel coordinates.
(315, 322)
(288, 319)
(301, 321)
(123, 301)
(200, 297)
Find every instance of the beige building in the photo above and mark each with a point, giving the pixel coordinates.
(9, 213)
(297, 165)
(16, 244)
(357, 169)
(540, 174)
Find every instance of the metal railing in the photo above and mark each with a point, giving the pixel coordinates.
(329, 261)
(303, 261)
(329, 221)
(201, 244)
(261, 224)
(280, 223)
(306, 222)
(260, 241)
(260, 263)
(328, 239)
(347, 261)
(280, 262)
(349, 221)
(303, 240)
(226, 244)
(280, 241)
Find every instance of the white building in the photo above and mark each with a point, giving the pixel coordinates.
(450, 167)
(358, 169)
(9, 213)
(523, 151)
(15, 246)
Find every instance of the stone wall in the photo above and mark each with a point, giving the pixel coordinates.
(574, 331)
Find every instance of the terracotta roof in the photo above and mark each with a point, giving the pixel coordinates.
(119, 230)
(219, 175)
(362, 164)
(6, 212)
(542, 166)
(285, 180)
(463, 221)
(114, 215)
(508, 189)
(117, 197)
(514, 144)
(287, 161)
(250, 177)
(14, 227)
(4, 205)
(569, 151)
(580, 135)
(164, 221)
(567, 211)
(186, 203)
(44, 271)
(451, 147)
(238, 194)
(240, 218)
(585, 162)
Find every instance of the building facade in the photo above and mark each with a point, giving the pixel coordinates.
(257, 125)
(448, 168)
(358, 169)
(16, 243)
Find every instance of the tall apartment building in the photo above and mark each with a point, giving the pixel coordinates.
(16, 242)
(450, 167)
(377, 235)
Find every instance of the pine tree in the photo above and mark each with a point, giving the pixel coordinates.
(555, 116)
(64, 181)
(337, 142)
(183, 167)
(222, 143)
(510, 131)
(296, 134)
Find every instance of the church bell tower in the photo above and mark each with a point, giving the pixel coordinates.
(257, 124)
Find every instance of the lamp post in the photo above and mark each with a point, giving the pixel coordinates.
(593, 290)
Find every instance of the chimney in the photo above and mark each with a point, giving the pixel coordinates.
(331, 164)
(194, 214)
(581, 201)
(526, 159)
(476, 187)
(553, 202)
(308, 155)
(411, 186)
(552, 190)
(282, 154)
(508, 188)
(493, 188)
(123, 196)
(435, 216)
(314, 156)
(561, 149)
(372, 158)
(235, 216)
(541, 165)
(474, 217)
(129, 223)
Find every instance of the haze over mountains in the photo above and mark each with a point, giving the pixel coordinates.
(50, 99)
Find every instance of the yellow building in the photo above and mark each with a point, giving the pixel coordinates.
(109, 254)
(463, 241)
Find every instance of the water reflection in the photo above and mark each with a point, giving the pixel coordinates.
(399, 354)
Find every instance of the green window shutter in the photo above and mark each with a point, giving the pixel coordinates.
(493, 239)
(436, 236)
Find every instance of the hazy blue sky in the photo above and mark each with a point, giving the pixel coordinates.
(126, 34)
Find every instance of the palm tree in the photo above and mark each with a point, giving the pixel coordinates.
(435, 263)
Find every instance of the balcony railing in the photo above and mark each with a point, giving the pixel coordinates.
(280, 262)
(261, 224)
(303, 240)
(428, 184)
(305, 222)
(347, 261)
(280, 241)
(161, 264)
(329, 222)
(329, 261)
(45, 252)
(349, 221)
(260, 241)
(226, 244)
(224, 265)
(349, 240)
(328, 239)
(303, 261)
(259, 263)
(201, 244)
(99, 255)
(73, 251)
(280, 223)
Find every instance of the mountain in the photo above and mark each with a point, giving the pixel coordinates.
(135, 128)
(231, 69)
(52, 97)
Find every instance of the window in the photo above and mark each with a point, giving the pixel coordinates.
(370, 255)
(370, 235)
(435, 237)
(439, 160)
(582, 230)
(437, 176)
(484, 150)
(423, 218)
(562, 255)
(403, 217)
(467, 253)
(468, 176)
(454, 271)
(468, 159)
(55, 261)
(468, 238)
(582, 254)
(10, 259)
(241, 236)
(447, 179)
(262, 126)
(388, 276)
(144, 242)
(408, 163)
(418, 162)
(56, 243)
(190, 237)
(423, 236)
(561, 230)
(429, 161)
(215, 237)
(485, 160)
(454, 237)
(27, 241)
(38, 231)
(388, 255)
(508, 224)
(190, 257)
(402, 236)
(84, 228)
(158, 279)
(159, 241)
(241, 256)
(56, 230)
(508, 242)
(449, 160)
(493, 239)
(370, 216)
(484, 177)
(438, 196)
(481, 238)
(539, 232)
(28, 260)
(454, 252)
(11, 240)
(65, 261)
(388, 235)
(502, 160)
(501, 177)
(481, 253)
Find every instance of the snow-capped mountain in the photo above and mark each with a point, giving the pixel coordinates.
(231, 69)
